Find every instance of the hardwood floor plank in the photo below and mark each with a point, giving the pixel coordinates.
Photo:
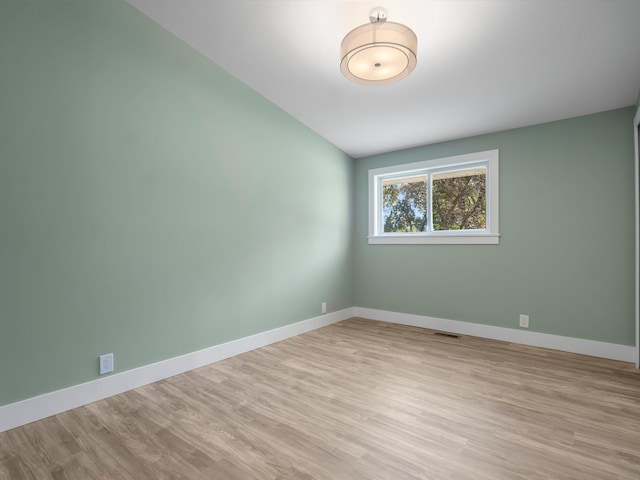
(356, 400)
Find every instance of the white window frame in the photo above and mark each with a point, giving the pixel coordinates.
(488, 235)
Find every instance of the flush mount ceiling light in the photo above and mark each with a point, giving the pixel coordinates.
(379, 52)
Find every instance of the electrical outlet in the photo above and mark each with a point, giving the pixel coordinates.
(106, 363)
(524, 321)
(324, 307)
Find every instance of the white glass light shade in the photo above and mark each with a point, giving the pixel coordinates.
(378, 53)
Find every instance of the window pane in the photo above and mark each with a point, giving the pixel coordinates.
(459, 200)
(404, 204)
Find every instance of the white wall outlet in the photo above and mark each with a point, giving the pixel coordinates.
(324, 307)
(524, 321)
(106, 363)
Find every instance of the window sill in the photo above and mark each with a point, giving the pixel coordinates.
(468, 239)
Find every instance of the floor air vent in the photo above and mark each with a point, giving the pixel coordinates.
(450, 335)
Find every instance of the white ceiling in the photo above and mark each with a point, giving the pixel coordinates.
(483, 65)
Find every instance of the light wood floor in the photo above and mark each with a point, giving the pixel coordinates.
(356, 400)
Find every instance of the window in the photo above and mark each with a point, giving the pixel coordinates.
(450, 200)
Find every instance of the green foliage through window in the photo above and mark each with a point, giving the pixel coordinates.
(459, 200)
(405, 204)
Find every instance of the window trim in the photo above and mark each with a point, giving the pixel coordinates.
(490, 235)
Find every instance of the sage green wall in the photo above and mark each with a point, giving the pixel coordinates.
(566, 254)
(150, 204)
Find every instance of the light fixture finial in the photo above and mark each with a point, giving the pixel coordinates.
(377, 15)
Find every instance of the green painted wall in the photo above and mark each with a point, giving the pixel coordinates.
(150, 204)
(566, 254)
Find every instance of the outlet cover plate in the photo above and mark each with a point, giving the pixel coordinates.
(106, 363)
(524, 321)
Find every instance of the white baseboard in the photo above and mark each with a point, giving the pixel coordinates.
(556, 342)
(37, 408)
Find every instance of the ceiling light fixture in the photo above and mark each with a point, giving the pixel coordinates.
(379, 52)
